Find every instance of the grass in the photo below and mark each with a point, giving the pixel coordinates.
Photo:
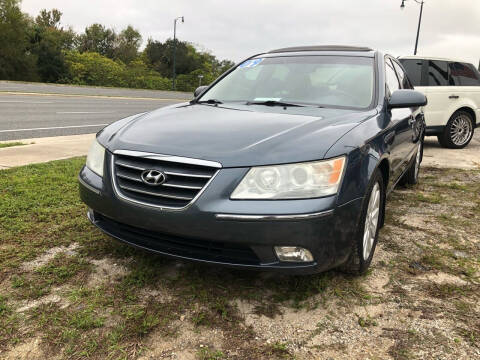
(10, 144)
(205, 353)
(155, 299)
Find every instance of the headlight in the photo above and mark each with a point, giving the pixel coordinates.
(96, 157)
(292, 181)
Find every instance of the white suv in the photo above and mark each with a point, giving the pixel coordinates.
(453, 91)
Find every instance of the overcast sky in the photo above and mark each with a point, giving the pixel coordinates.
(238, 29)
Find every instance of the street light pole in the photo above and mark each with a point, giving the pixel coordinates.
(421, 2)
(175, 48)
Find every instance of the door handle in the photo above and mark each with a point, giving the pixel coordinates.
(453, 97)
(389, 137)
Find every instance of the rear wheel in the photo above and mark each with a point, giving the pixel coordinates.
(365, 241)
(411, 175)
(458, 132)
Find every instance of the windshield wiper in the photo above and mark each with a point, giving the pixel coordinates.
(272, 103)
(210, 101)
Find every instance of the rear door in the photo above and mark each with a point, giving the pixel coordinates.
(467, 85)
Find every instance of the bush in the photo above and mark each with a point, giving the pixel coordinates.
(138, 75)
(189, 82)
(93, 69)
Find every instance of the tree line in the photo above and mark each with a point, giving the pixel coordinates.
(41, 49)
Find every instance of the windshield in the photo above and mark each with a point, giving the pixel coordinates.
(326, 81)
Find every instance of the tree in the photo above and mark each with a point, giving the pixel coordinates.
(160, 57)
(16, 62)
(224, 65)
(49, 18)
(48, 41)
(156, 57)
(42, 49)
(97, 38)
(128, 43)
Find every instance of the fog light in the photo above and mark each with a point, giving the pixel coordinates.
(293, 254)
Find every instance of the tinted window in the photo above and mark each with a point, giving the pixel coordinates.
(464, 74)
(405, 84)
(437, 73)
(413, 67)
(391, 78)
(328, 81)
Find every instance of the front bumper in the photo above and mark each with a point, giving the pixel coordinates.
(217, 230)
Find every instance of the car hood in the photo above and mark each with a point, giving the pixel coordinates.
(234, 136)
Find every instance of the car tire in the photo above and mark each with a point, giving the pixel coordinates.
(458, 132)
(363, 246)
(411, 175)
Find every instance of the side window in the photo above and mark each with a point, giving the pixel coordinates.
(464, 74)
(413, 67)
(404, 82)
(437, 73)
(391, 79)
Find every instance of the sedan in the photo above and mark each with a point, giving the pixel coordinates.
(283, 163)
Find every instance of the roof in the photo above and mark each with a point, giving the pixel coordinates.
(321, 48)
(421, 57)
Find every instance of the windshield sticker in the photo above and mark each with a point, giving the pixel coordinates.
(250, 63)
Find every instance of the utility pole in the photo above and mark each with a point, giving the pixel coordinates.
(175, 48)
(421, 2)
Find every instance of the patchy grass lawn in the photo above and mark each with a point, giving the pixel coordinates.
(68, 291)
(10, 144)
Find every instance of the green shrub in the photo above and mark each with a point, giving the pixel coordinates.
(90, 68)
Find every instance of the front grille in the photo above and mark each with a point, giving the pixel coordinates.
(174, 245)
(183, 181)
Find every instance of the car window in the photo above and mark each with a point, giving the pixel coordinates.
(391, 79)
(413, 67)
(251, 74)
(327, 81)
(404, 82)
(464, 74)
(437, 73)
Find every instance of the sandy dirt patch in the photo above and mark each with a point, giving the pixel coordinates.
(49, 255)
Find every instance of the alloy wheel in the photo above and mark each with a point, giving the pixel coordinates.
(371, 221)
(461, 130)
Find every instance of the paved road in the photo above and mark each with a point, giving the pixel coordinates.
(40, 110)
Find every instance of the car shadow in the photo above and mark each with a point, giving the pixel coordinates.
(232, 285)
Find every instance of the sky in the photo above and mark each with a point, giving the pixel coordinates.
(238, 29)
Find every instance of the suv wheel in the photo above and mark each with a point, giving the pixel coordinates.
(367, 233)
(458, 131)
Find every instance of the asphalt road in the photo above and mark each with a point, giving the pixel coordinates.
(38, 110)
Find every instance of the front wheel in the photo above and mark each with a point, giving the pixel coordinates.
(458, 132)
(365, 241)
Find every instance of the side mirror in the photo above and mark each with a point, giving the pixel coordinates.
(199, 90)
(406, 99)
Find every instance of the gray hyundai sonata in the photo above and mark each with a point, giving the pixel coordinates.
(283, 163)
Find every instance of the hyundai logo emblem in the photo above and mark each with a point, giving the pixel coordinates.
(153, 177)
